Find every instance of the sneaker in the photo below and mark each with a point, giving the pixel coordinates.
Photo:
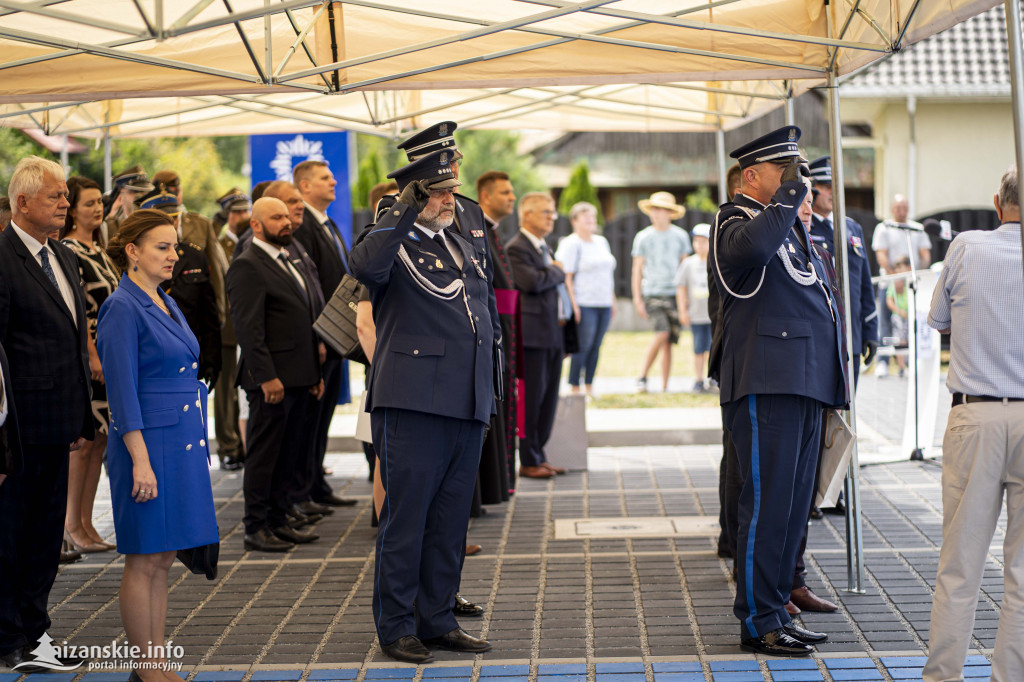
(641, 385)
(881, 370)
(698, 387)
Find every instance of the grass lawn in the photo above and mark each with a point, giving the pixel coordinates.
(622, 355)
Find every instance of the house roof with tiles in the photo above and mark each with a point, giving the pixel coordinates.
(968, 60)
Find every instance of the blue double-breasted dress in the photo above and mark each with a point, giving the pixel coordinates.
(150, 364)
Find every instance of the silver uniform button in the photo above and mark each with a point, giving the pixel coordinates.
(397, 213)
(202, 443)
(785, 334)
(197, 404)
(416, 352)
(188, 447)
(181, 370)
(195, 365)
(185, 408)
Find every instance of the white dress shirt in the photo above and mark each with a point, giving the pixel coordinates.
(34, 247)
(274, 251)
(454, 250)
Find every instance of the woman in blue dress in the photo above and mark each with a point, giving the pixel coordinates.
(157, 454)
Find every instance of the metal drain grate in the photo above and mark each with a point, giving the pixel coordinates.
(636, 527)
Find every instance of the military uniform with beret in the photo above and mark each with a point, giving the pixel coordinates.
(863, 314)
(781, 364)
(133, 179)
(430, 396)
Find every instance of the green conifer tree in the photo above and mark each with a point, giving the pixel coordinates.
(579, 189)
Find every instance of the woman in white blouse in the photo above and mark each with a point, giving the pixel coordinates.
(589, 276)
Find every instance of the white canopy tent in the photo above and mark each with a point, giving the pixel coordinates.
(114, 49)
(246, 65)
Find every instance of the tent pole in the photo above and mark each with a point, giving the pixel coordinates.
(790, 116)
(912, 156)
(1017, 87)
(108, 175)
(854, 543)
(723, 190)
(64, 154)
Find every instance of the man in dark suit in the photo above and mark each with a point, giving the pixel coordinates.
(272, 310)
(781, 364)
(302, 502)
(10, 440)
(326, 247)
(430, 397)
(538, 278)
(498, 200)
(43, 330)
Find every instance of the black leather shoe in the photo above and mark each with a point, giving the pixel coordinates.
(13, 658)
(459, 640)
(300, 517)
(289, 534)
(333, 500)
(408, 649)
(776, 643)
(816, 513)
(466, 608)
(265, 541)
(68, 554)
(838, 510)
(310, 507)
(230, 463)
(805, 636)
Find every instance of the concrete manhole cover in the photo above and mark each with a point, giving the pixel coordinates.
(636, 527)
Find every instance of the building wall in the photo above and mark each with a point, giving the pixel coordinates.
(962, 150)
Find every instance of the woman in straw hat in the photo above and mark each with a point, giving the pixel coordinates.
(657, 252)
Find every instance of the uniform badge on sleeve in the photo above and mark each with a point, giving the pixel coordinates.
(413, 236)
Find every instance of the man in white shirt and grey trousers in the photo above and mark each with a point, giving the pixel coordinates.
(977, 302)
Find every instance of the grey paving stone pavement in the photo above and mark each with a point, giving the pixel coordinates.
(586, 602)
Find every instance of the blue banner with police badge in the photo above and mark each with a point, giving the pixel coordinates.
(274, 156)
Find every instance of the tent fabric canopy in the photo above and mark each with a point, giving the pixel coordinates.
(80, 50)
(636, 108)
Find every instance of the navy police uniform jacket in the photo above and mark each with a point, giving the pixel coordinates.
(781, 326)
(435, 328)
(863, 314)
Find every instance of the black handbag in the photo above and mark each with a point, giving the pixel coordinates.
(337, 323)
(570, 336)
(201, 560)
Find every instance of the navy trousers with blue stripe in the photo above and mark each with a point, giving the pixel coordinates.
(428, 467)
(776, 438)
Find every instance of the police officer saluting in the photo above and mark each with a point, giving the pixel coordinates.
(780, 366)
(430, 397)
(863, 315)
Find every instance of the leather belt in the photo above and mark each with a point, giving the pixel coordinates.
(960, 399)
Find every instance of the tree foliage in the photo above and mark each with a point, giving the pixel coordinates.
(579, 189)
(700, 200)
(486, 150)
(369, 173)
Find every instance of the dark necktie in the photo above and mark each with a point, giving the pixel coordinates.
(44, 257)
(337, 242)
(445, 253)
(564, 301)
(294, 273)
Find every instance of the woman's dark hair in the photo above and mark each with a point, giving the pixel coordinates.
(133, 229)
(76, 185)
